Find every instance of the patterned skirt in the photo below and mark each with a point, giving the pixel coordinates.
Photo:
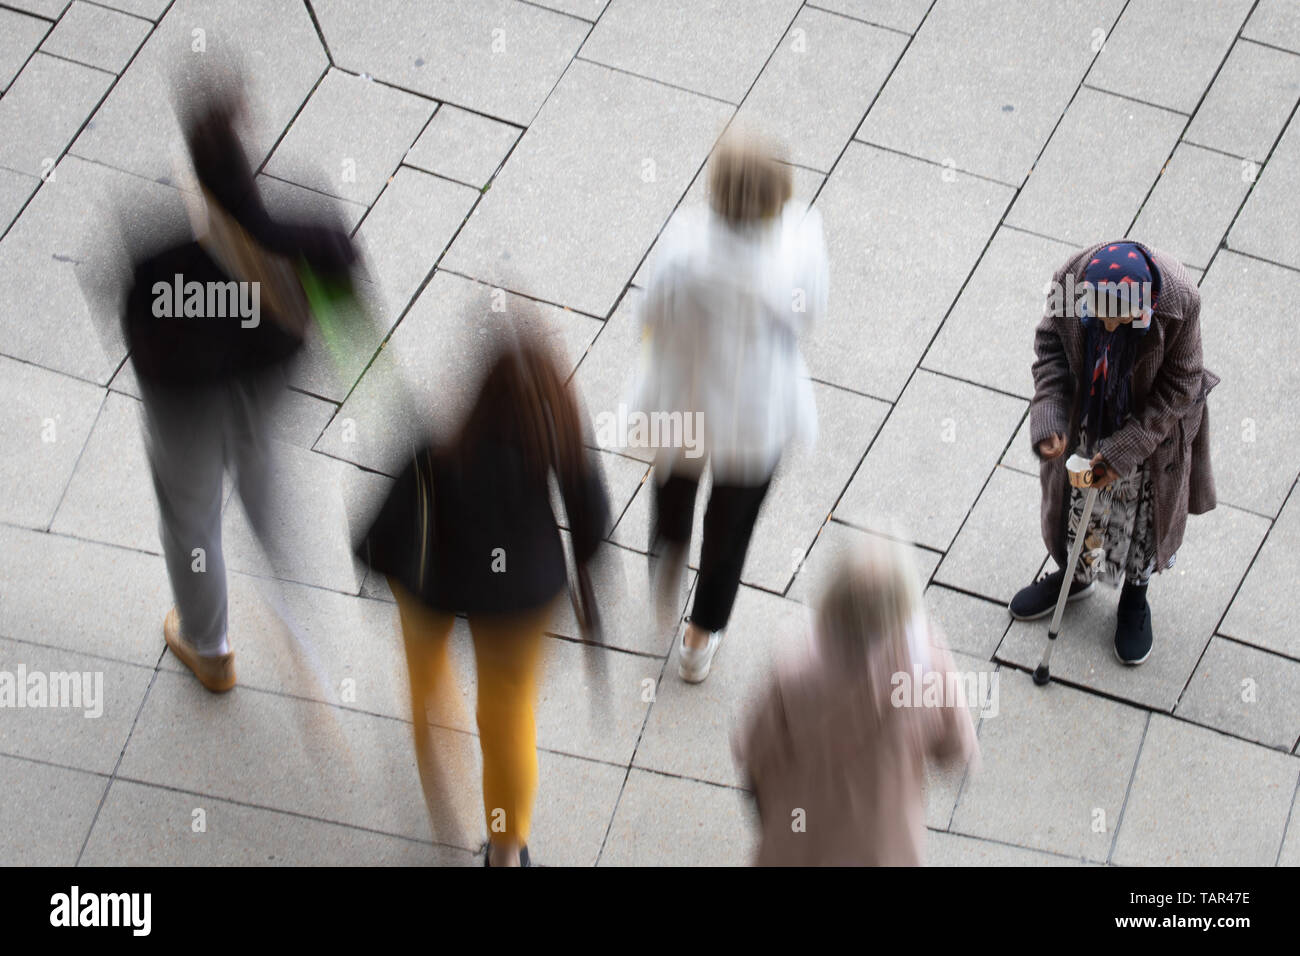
(1120, 544)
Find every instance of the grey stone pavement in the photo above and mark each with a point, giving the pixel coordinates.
(957, 149)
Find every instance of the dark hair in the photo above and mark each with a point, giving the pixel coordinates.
(525, 400)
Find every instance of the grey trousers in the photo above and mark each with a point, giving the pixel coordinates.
(193, 435)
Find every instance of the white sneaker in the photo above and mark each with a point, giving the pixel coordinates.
(694, 663)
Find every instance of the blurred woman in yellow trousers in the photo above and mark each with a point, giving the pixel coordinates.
(468, 527)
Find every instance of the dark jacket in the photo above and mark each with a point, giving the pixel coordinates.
(201, 350)
(1169, 428)
(476, 533)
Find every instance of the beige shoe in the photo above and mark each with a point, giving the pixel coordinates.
(217, 674)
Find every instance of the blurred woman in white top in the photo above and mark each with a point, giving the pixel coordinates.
(734, 286)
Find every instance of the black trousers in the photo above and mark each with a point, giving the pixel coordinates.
(728, 525)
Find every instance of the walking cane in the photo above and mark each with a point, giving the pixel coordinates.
(1081, 476)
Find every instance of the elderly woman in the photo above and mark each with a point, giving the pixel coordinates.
(1118, 378)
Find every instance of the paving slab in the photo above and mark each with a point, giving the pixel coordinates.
(905, 15)
(1266, 78)
(405, 233)
(1252, 431)
(1193, 204)
(952, 849)
(285, 200)
(71, 736)
(988, 337)
(1263, 612)
(148, 9)
(690, 726)
(299, 756)
(96, 36)
(1276, 22)
(424, 376)
(1055, 769)
(1202, 799)
(20, 35)
(999, 549)
(800, 97)
(45, 419)
(48, 9)
(1063, 197)
(316, 644)
(110, 497)
(607, 148)
(47, 812)
(901, 242)
(135, 131)
(716, 49)
(463, 146)
(972, 625)
(495, 57)
(43, 110)
(15, 190)
(672, 821)
(589, 10)
(1187, 603)
(1167, 51)
(350, 137)
(142, 825)
(48, 265)
(1263, 227)
(833, 544)
(52, 588)
(998, 118)
(1020, 455)
(948, 431)
(316, 501)
(944, 781)
(622, 583)
(803, 492)
(1245, 692)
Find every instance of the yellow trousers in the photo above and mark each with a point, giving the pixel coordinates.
(507, 652)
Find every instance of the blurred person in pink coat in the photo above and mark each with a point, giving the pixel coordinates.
(836, 751)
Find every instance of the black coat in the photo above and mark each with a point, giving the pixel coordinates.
(476, 533)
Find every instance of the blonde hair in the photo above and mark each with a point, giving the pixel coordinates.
(747, 180)
(871, 602)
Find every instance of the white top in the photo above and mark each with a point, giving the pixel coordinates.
(720, 327)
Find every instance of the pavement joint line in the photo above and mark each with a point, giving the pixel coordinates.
(870, 23)
(564, 13)
(1286, 827)
(125, 13)
(1264, 43)
(144, 699)
(1242, 642)
(340, 200)
(1019, 846)
(68, 59)
(436, 175)
(320, 34)
(89, 115)
(959, 170)
(1257, 258)
(650, 79)
(63, 494)
(1223, 616)
(645, 722)
(1137, 99)
(984, 385)
(1222, 152)
(1128, 789)
(53, 21)
(851, 391)
(1186, 126)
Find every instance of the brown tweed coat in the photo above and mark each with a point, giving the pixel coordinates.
(1169, 428)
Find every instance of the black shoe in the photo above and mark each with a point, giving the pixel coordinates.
(1133, 635)
(523, 856)
(1039, 599)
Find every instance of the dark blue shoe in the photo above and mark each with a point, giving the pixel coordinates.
(1133, 634)
(1039, 599)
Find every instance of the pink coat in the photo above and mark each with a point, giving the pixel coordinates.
(837, 772)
